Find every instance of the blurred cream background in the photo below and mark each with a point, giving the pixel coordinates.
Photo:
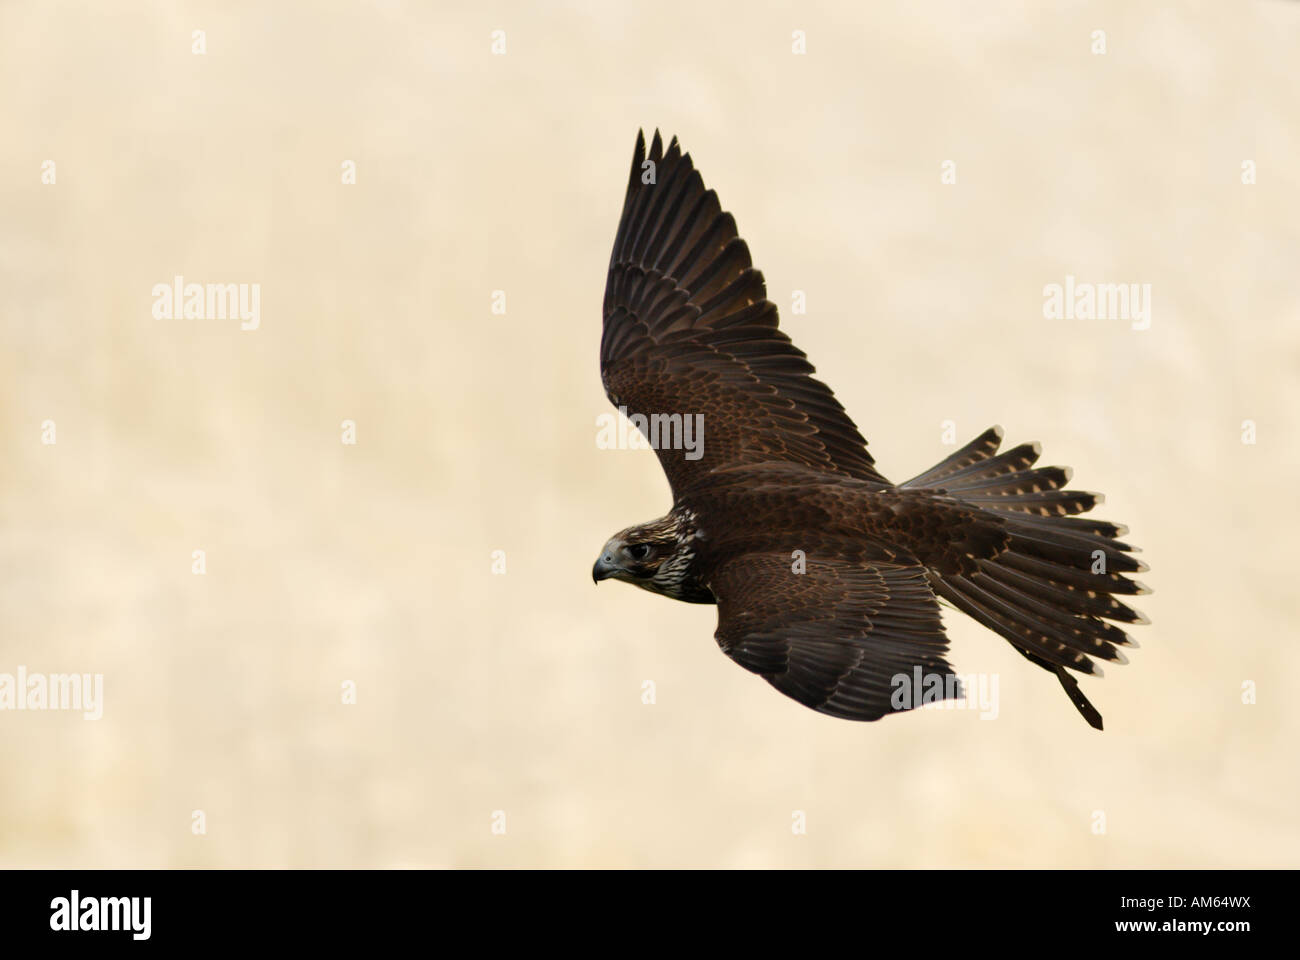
(476, 432)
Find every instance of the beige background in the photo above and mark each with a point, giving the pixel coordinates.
(477, 432)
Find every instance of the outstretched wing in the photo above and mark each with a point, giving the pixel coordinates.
(844, 638)
(689, 332)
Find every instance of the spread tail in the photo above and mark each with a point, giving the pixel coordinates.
(1054, 590)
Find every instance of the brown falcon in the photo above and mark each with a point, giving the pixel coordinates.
(826, 575)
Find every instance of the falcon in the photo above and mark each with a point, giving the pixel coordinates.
(827, 576)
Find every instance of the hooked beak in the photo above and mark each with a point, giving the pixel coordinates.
(605, 567)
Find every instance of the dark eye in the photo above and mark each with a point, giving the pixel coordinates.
(639, 551)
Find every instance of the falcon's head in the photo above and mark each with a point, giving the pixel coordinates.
(656, 556)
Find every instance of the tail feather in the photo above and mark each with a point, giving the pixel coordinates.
(1051, 503)
(977, 451)
(1080, 579)
(1012, 484)
(1052, 591)
(1015, 460)
(1071, 688)
(1083, 632)
(1087, 603)
(1026, 629)
(1069, 551)
(975, 475)
(965, 598)
(1081, 527)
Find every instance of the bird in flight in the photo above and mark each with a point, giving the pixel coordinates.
(826, 575)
